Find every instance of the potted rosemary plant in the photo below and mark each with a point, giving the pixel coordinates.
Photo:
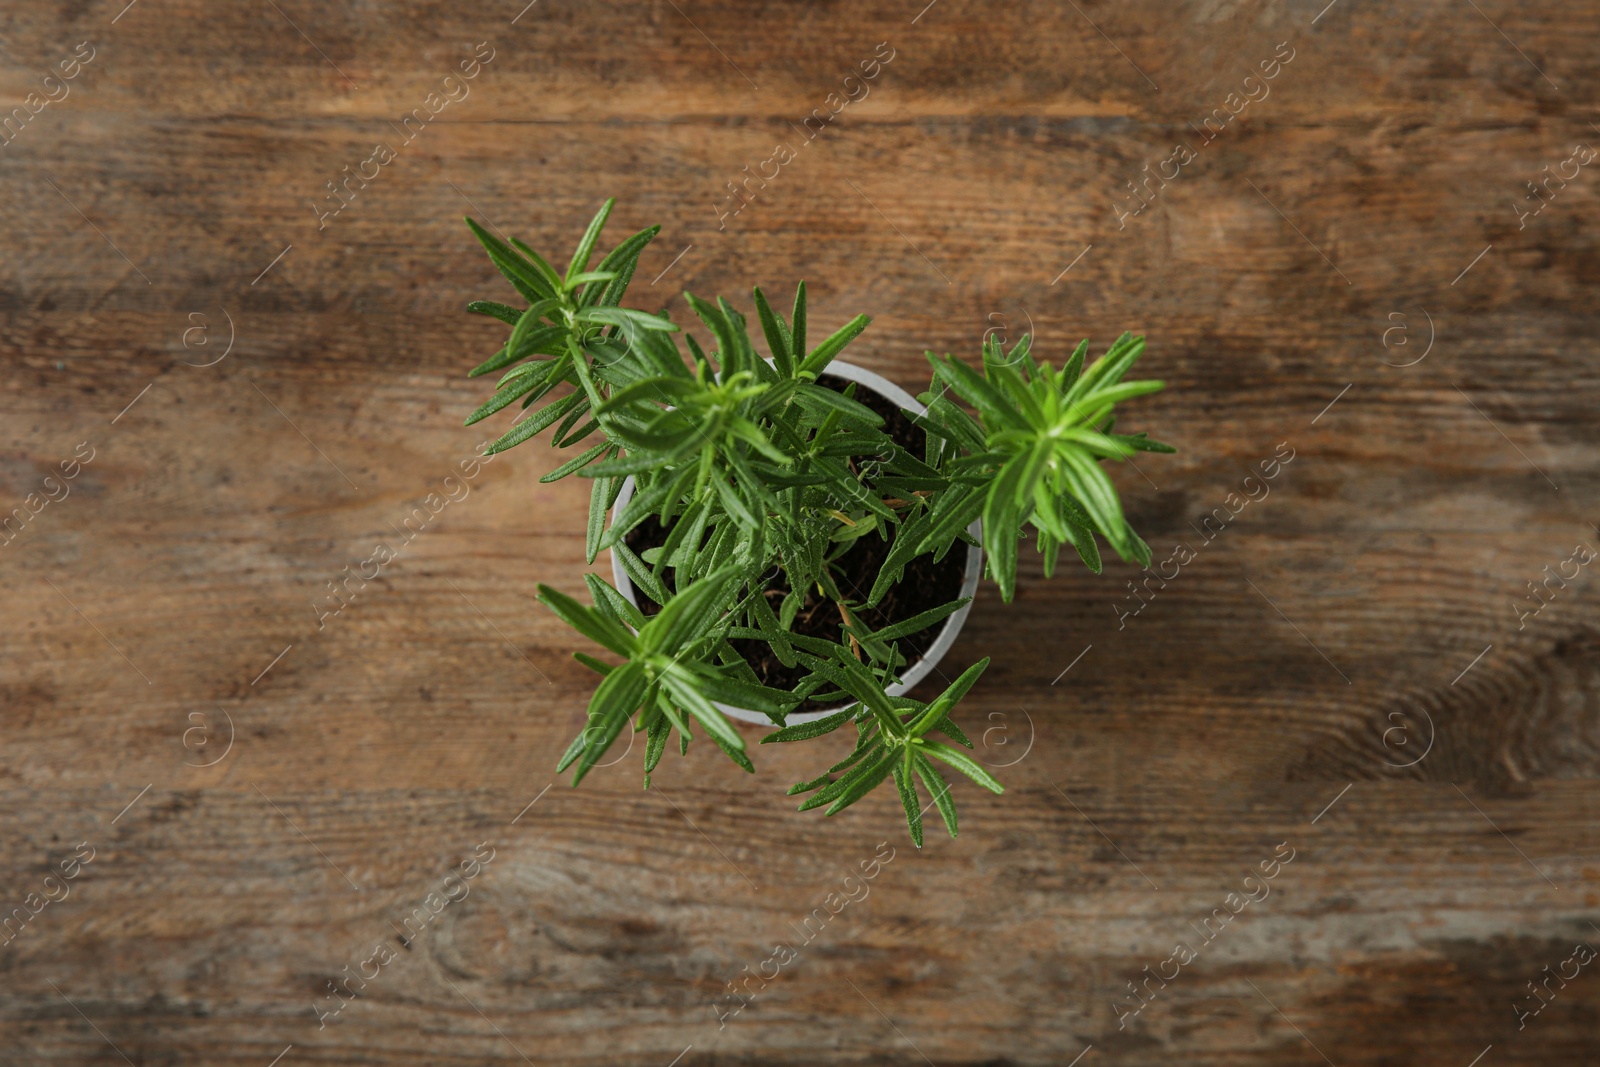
(794, 540)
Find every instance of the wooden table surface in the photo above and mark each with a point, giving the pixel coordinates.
(251, 391)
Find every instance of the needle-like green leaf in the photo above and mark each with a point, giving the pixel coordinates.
(908, 797)
(587, 621)
(824, 354)
(963, 763)
(938, 787)
(580, 257)
(528, 280)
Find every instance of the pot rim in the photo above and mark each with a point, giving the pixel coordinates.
(952, 625)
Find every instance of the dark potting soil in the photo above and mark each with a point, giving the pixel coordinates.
(924, 585)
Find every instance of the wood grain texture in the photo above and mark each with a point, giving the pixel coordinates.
(1341, 668)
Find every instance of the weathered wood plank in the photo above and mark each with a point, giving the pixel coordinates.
(1371, 597)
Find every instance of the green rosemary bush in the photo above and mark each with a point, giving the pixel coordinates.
(764, 479)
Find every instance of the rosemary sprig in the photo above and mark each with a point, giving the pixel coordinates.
(758, 471)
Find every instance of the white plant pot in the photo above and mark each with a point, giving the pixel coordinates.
(952, 625)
